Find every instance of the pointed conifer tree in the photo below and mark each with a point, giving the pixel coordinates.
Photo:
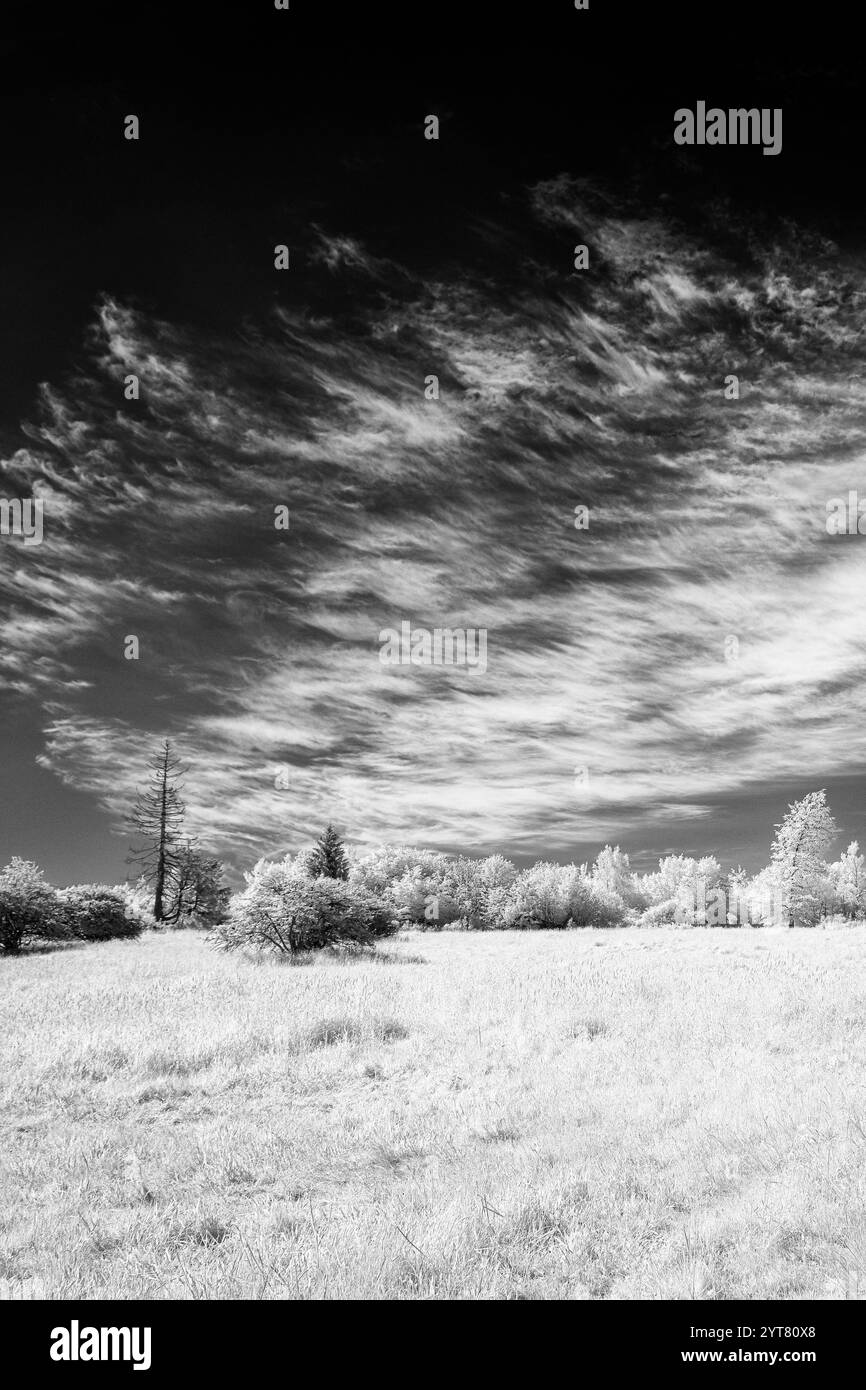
(328, 859)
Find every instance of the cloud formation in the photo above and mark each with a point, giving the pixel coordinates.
(610, 698)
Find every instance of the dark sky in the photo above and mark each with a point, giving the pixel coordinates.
(260, 651)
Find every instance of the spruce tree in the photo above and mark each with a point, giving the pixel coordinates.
(328, 859)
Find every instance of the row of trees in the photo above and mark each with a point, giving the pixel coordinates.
(32, 910)
(298, 899)
(325, 894)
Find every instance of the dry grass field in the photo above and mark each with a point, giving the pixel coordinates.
(583, 1115)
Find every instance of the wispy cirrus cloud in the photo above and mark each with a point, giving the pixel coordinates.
(607, 647)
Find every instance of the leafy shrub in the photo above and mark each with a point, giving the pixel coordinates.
(381, 871)
(432, 890)
(304, 863)
(415, 897)
(595, 906)
(283, 912)
(677, 877)
(549, 896)
(475, 891)
(139, 901)
(538, 898)
(664, 914)
(28, 906)
(409, 881)
(612, 875)
(93, 912)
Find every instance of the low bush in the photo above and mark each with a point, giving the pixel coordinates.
(664, 914)
(139, 902)
(94, 912)
(28, 906)
(282, 912)
(598, 908)
(549, 896)
(410, 881)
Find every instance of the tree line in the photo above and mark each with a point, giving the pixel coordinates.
(308, 899)
(326, 893)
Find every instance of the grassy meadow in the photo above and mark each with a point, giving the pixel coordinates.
(583, 1115)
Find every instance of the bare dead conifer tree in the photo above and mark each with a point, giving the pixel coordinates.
(157, 818)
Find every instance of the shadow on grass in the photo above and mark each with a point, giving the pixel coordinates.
(45, 948)
(337, 1030)
(333, 955)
